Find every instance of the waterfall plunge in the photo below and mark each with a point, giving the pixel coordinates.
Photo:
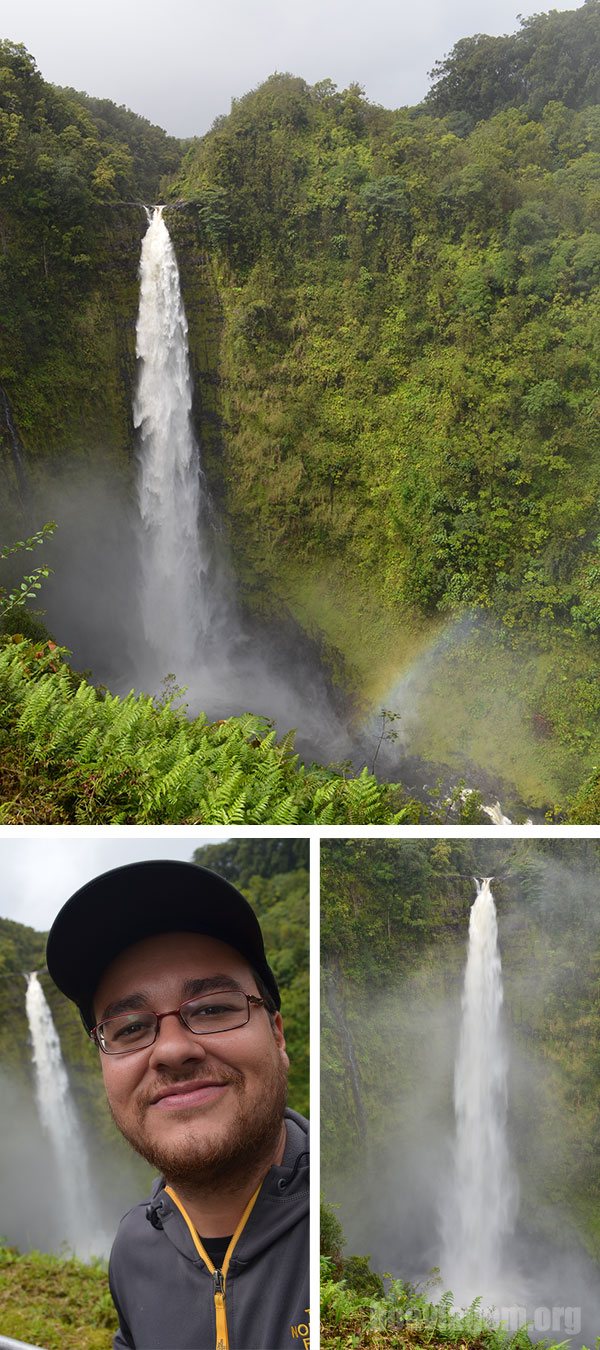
(482, 1199)
(181, 597)
(189, 615)
(60, 1122)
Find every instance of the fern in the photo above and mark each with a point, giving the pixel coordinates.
(124, 760)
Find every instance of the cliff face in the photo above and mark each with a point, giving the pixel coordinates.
(392, 325)
(74, 174)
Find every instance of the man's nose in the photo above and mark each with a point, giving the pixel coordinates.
(175, 1042)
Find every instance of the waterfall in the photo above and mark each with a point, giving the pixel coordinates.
(481, 1202)
(496, 815)
(181, 600)
(60, 1123)
(191, 624)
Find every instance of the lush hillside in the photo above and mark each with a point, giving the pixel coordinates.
(67, 272)
(394, 929)
(407, 372)
(553, 56)
(392, 325)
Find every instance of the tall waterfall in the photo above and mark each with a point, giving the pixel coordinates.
(179, 600)
(60, 1123)
(187, 603)
(481, 1204)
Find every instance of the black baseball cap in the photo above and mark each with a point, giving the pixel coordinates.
(143, 899)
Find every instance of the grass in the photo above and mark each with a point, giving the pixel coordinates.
(54, 1302)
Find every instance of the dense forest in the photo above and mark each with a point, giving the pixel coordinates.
(392, 318)
(394, 927)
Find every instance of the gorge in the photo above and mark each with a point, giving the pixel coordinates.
(396, 423)
(463, 1077)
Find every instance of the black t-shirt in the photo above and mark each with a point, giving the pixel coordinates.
(216, 1248)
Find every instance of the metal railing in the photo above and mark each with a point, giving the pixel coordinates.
(7, 1343)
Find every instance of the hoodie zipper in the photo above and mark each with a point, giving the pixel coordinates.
(220, 1313)
(219, 1277)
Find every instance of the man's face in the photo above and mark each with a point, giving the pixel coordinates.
(225, 1111)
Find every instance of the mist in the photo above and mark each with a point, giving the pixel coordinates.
(463, 709)
(391, 1193)
(32, 1206)
(269, 668)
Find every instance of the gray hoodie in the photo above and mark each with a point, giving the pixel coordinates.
(169, 1297)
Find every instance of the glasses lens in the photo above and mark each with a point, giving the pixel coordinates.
(215, 1012)
(131, 1031)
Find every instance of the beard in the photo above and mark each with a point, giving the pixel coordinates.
(216, 1159)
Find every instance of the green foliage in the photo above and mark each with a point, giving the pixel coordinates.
(409, 353)
(59, 1303)
(103, 758)
(555, 56)
(357, 1275)
(406, 1317)
(585, 807)
(393, 319)
(29, 585)
(331, 1235)
(73, 172)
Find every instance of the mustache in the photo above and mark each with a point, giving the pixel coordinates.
(206, 1077)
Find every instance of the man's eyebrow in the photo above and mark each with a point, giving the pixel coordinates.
(208, 985)
(130, 1003)
(190, 989)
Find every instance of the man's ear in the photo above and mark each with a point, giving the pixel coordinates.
(278, 1033)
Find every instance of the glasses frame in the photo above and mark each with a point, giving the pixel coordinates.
(251, 1000)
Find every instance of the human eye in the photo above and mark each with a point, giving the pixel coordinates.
(130, 1029)
(212, 1009)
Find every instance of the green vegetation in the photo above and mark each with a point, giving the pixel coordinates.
(11, 601)
(408, 368)
(77, 754)
(73, 172)
(392, 325)
(406, 1317)
(553, 56)
(58, 1303)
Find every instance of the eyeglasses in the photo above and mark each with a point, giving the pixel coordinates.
(205, 1015)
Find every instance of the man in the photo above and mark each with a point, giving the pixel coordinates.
(166, 963)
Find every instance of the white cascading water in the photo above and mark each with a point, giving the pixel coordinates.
(60, 1123)
(177, 544)
(481, 1202)
(189, 616)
